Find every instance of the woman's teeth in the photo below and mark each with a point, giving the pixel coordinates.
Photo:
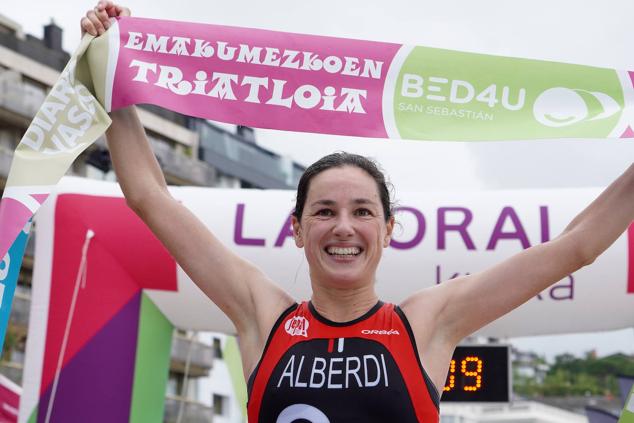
(348, 251)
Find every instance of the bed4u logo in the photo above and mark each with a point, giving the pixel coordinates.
(297, 326)
(559, 106)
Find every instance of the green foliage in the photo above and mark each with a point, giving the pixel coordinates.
(572, 376)
(10, 340)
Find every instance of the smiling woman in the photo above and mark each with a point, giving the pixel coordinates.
(343, 230)
(344, 355)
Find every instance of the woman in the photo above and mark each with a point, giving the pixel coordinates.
(345, 355)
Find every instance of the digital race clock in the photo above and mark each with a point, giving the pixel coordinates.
(478, 373)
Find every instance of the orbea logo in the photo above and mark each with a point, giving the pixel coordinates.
(559, 106)
(380, 332)
(297, 326)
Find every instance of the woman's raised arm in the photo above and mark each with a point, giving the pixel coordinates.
(244, 294)
(468, 303)
(443, 315)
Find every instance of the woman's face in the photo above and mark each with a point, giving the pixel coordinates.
(343, 228)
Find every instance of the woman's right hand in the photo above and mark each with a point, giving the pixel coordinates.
(97, 20)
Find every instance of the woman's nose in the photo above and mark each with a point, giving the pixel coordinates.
(344, 225)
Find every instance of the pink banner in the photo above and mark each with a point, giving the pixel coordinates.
(259, 78)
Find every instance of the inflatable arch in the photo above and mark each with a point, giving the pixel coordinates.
(107, 295)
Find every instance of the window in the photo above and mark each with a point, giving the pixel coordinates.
(221, 405)
(217, 348)
(247, 185)
(174, 384)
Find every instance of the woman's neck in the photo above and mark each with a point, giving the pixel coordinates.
(343, 305)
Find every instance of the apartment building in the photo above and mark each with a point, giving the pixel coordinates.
(191, 151)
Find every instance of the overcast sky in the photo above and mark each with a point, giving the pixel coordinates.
(577, 31)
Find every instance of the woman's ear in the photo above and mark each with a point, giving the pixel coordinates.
(388, 233)
(297, 232)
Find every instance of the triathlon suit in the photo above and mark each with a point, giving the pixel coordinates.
(314, 370)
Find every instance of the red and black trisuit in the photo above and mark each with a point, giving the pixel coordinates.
(318, 371)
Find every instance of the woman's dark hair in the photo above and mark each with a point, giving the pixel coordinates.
(341, 159)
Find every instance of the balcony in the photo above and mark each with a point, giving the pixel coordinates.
(21, 99)
(180, 169)
(233, 155)
(193, 412)
(35, 49)
(201, 356)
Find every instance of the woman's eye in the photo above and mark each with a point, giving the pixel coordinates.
(364, 212)
(325, 212)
